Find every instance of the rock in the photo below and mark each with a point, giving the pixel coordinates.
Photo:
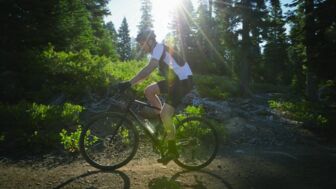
(192, 98)
(235, 125)
(251, 127)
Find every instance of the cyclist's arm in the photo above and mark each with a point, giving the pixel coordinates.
(145, 72)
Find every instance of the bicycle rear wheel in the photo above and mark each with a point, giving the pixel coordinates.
(197, 143)
(109, 141)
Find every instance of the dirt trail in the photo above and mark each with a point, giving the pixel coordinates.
(265, 151)
(239, 166)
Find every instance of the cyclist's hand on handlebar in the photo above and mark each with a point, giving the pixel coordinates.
(124, 85)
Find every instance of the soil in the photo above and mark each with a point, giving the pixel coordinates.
(261, 154)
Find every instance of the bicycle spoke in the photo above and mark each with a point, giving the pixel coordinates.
(109, 142)
(197, 143)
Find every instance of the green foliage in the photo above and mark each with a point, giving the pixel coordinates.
(301, 111)
(195, 127)
(125, 136)
(216, 87)
(197, 111)
(71, 73)
(70, 140)
(76, 31)
(123, 71)
(31, 27)
(35, 126)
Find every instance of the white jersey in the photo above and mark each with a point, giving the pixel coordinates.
(182, 72)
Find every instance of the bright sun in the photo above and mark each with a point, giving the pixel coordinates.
(166, 5)
(163, 10)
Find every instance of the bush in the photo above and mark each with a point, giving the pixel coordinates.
(71, 73)
(123, 71)
(70, 140)
(198, 111)
(36, 126)
(301, 111)
(216, 87)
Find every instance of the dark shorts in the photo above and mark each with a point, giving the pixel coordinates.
(175, 90)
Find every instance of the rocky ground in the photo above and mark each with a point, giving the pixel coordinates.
(264, 150)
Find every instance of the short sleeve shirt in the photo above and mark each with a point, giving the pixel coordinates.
(182, 72)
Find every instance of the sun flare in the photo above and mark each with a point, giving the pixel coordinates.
(163, 11)
(167, 5)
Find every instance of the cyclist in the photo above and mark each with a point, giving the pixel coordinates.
(177, 83)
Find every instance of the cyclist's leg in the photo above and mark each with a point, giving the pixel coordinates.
(151, 93)
(175, 95)
(168, 108)
(166, 115)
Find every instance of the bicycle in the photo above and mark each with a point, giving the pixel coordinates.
(110, 140)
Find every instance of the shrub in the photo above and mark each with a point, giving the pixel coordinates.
(71, 73)
(70, 140)
(301, 111)
(198, 111)
(36, 126)
(216, 87)
(123, 71)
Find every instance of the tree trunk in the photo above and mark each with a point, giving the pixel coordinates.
(311, 79)
(245, 54)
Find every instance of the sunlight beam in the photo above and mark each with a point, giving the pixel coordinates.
(205, 37)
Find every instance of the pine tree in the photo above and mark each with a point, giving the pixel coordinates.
(244, 25)
(146, 23)
(325, 16)
(113, 34)
(227, 37)
(97, 10)
(276, 59)
(146, 17)
(296, 51)
(124, 41)
(181, 27)
(204, 41)
(310, 42)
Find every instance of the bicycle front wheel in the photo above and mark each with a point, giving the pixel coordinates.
(109, 141)
(197, 143)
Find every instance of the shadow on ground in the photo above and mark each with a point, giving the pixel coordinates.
(183, 179)
(92, 178)
(190, 179)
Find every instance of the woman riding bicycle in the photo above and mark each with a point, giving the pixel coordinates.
(177, 83)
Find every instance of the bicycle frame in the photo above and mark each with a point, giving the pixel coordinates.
(124, 110)
(140, 120)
